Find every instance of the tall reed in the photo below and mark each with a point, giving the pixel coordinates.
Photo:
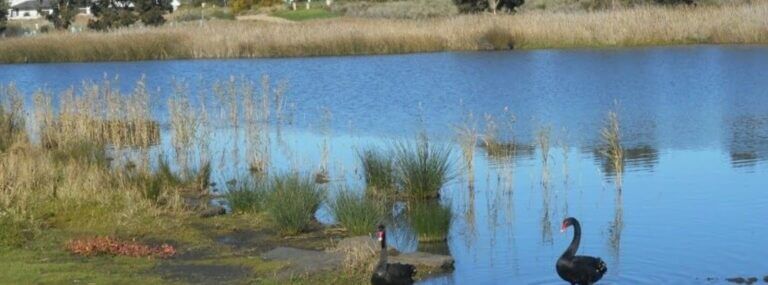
(612, 149)
(467, 137)
(638, 26)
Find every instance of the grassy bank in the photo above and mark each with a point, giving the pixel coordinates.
(76, 167)
(642, 26)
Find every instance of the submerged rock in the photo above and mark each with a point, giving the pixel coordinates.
(742, 280)
(765, 279)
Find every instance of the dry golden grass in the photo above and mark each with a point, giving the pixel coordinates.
(640, 26)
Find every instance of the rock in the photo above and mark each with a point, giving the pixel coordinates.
(423, 259)
(301, 261)
(212, 211)
(362, 245)
(765, 279)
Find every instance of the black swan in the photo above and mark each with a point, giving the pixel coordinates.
(390, 274)
(581, 270)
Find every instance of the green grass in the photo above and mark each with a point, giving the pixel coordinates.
(423, 168)
(247, 197)
(305, 15)
(378, 170)
(430, 220)
(358, 214)
(292, 201)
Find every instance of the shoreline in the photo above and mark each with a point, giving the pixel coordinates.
(635, 27)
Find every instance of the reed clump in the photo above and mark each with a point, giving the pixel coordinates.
(248, 196)
(378, 170)
(612, 149)
(430, 220)
(422, 168)
(11, 116)
(356, 212)
(292, 201)
(637, 26)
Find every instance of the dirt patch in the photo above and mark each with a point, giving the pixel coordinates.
(203, 274)
(304, 262)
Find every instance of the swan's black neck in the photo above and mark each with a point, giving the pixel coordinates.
(571, 250)
(383, 256)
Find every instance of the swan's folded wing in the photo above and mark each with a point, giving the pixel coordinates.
(399, 270)
(590, 264)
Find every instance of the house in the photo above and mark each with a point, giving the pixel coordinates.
(28, 9)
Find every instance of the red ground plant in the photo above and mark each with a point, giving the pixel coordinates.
(112, 246)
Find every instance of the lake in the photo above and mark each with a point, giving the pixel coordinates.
(693, 121)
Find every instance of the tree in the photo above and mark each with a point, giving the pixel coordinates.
(240, 5)
(113, 14)
(3, 15)
(62, 14)
(151, 11)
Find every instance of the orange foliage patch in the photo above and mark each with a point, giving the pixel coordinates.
(113, 246)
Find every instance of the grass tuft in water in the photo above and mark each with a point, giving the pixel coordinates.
(430, 220)
(378, 170)
(292, 201)
(612, 149)
(356, 213)
(422, 168)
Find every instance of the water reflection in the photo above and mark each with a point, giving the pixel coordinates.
(642, 157)
(748, 142)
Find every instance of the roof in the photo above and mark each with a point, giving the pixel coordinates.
(32, 5)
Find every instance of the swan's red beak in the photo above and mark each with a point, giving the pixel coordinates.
(563, 228)
(380, 235)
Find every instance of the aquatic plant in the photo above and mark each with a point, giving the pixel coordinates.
(467, 137)
(292, 201)
(422, 168)
(11, 116)
(247, 196)
(378, 170)
(612, 149)
(357, 213)
(430, 220)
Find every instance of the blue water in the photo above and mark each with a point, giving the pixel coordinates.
(694, 123)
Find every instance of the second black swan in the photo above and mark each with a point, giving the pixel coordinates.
(577, 269)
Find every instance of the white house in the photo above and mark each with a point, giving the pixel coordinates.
(27, 9)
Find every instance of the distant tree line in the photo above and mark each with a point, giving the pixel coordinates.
(110, 14)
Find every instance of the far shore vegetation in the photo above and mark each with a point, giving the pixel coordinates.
(362, 28)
